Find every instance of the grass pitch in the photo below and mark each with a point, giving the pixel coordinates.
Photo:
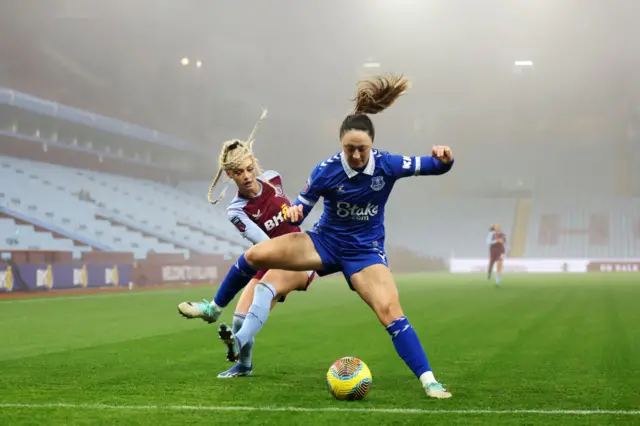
(510, 355)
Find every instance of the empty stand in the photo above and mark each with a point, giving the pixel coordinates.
(122, 213)
(584, 227)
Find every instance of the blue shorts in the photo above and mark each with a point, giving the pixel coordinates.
(348, 261)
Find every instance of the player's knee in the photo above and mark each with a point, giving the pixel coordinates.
(302, 281)
(250, 256)
(388, 311)
(255, 257)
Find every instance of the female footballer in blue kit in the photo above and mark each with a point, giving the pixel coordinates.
(349, 237)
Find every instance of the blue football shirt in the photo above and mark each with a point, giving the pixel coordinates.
(354, 201)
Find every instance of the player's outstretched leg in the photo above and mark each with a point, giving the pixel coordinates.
(237, 278)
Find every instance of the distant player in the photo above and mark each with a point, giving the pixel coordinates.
(257, 213)
(349, 238)
(496, 241)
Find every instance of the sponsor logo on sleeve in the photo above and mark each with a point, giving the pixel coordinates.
(238, 223)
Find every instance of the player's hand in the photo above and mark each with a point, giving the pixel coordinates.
(293, 214)
(442, 153)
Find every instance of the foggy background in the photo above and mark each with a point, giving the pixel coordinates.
(562, 127)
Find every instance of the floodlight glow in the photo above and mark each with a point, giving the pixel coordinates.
(523, 63)
(184, 61)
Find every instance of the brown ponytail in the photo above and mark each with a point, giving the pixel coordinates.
(379, 93)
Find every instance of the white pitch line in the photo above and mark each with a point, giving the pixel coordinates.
(275, 409)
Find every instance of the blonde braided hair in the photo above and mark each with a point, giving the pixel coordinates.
(234, 153)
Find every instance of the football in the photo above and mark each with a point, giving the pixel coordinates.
(349, 379)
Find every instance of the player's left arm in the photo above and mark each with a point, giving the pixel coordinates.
(249, 229)
(438, 163)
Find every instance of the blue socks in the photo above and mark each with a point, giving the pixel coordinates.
(237, 278)
(258, 312)
(245, 352)
(408, 346)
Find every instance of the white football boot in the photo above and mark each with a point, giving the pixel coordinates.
(205, 310)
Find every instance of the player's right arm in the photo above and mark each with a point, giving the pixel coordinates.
(246, 226)
(308, 197)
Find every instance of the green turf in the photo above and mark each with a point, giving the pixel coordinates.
(541, 342)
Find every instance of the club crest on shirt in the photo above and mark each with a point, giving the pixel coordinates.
(279, 191)
(377, 183)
